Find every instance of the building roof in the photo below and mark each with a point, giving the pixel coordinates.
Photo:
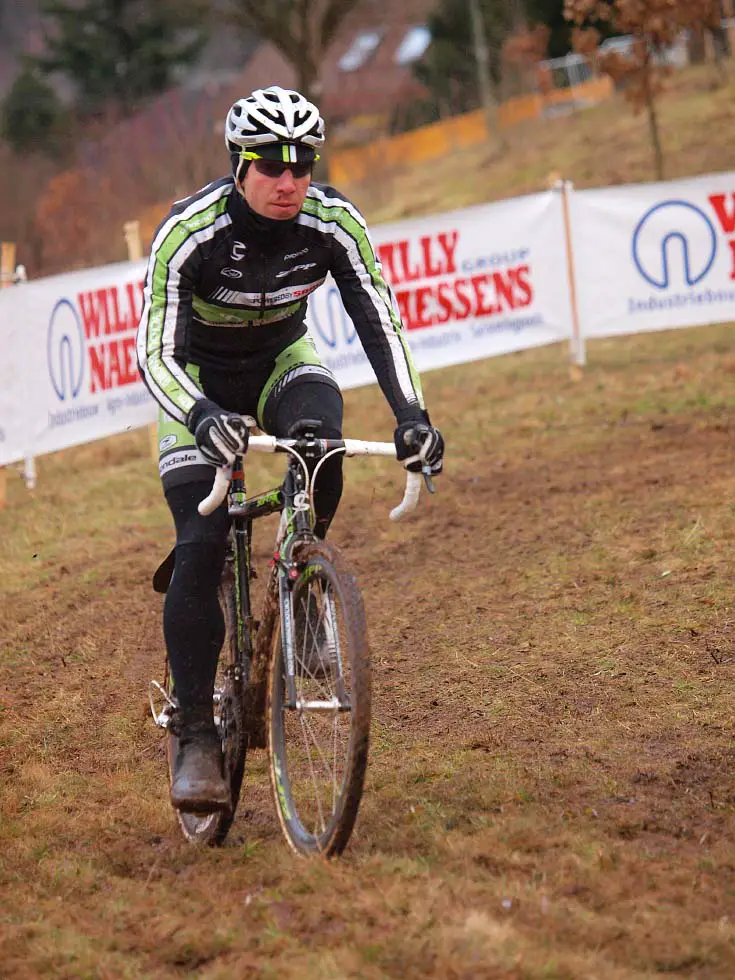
(350, 88)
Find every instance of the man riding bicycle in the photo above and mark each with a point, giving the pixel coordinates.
(222, 334)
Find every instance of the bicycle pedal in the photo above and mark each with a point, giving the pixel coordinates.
(163, 718)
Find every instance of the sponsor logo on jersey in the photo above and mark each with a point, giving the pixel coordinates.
(232, 273)
(295, 255)
(295, 268)
(167, 442)
(238, 251)
(175, 460)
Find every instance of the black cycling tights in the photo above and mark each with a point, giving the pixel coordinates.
(193, 624)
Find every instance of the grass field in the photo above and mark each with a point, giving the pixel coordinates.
(551, 788)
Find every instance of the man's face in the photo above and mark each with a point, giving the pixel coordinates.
(278, 197)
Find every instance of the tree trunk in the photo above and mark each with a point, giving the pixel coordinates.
(653, 127)
(484, 82)
(309, 85)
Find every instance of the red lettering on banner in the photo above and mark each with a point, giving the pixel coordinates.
(520, 278)
(483, 295)
(115, 325)
(97, 369)
(410, 274)
(444, 296)
(731, 243)
(423, 309)
(402, 300)
(504, 288)
(113, 364)
(481, 286)
(89, 305)
(727, 220)
(430, 257)
(430, 269)
(448, 244)
(465, 307)
(105, 311)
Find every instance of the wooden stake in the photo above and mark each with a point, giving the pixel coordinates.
(131, 231)
(578, 355)
(7, 264)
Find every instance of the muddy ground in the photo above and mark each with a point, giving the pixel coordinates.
(551, 788)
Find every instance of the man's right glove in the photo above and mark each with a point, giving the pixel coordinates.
(219, 435)
(419, 437)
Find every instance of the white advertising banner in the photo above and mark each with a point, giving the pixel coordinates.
(655, 256)
(78, 366)
(469, 284)
(15, 397)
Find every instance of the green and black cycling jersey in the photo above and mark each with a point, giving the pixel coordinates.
(217, 294)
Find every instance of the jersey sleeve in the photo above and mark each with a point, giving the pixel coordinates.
(370, 302)
(176, 254)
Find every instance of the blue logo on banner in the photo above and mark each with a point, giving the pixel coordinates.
(65, 350)
(339, 321)
(674, 233)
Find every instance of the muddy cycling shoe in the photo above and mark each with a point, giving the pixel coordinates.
(198, 785)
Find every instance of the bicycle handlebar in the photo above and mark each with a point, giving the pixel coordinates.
(352, 447)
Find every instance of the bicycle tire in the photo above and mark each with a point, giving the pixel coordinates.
(312, 823)
(212, 828)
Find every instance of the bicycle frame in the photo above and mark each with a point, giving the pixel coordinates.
(294, 501)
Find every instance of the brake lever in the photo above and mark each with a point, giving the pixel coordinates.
(426, 470)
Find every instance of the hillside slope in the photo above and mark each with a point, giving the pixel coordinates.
(602, 145)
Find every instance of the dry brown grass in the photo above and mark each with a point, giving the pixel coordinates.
(605, 144)
(551, 791)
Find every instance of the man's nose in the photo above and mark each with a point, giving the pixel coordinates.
(286, 181)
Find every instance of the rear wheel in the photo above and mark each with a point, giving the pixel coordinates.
(318, 740)
(212, 828)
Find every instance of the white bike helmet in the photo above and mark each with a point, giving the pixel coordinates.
(273, 115)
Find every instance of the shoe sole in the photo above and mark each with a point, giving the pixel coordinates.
(200, 805)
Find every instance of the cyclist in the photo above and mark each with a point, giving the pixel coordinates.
(222, 334)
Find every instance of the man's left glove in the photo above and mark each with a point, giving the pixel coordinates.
(219, 435)
(419, 438)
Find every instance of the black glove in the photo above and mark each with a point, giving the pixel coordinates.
(219, 435)
(419, 437)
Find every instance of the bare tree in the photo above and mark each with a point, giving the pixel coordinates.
(653, 25)
(302, 30)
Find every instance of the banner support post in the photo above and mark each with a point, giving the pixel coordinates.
(577, 350)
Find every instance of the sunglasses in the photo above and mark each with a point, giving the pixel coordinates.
(276, 168)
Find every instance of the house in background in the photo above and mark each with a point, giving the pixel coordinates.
(367, 73)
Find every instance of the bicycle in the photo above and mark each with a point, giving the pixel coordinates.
(297, 682)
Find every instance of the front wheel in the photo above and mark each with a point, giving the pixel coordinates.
(319, 710)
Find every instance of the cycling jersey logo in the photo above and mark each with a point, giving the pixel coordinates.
(232, 273)
(674, 244)
(238, 251)
(167, 442)
(65, 351)
(295, 255)
(295, 268)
